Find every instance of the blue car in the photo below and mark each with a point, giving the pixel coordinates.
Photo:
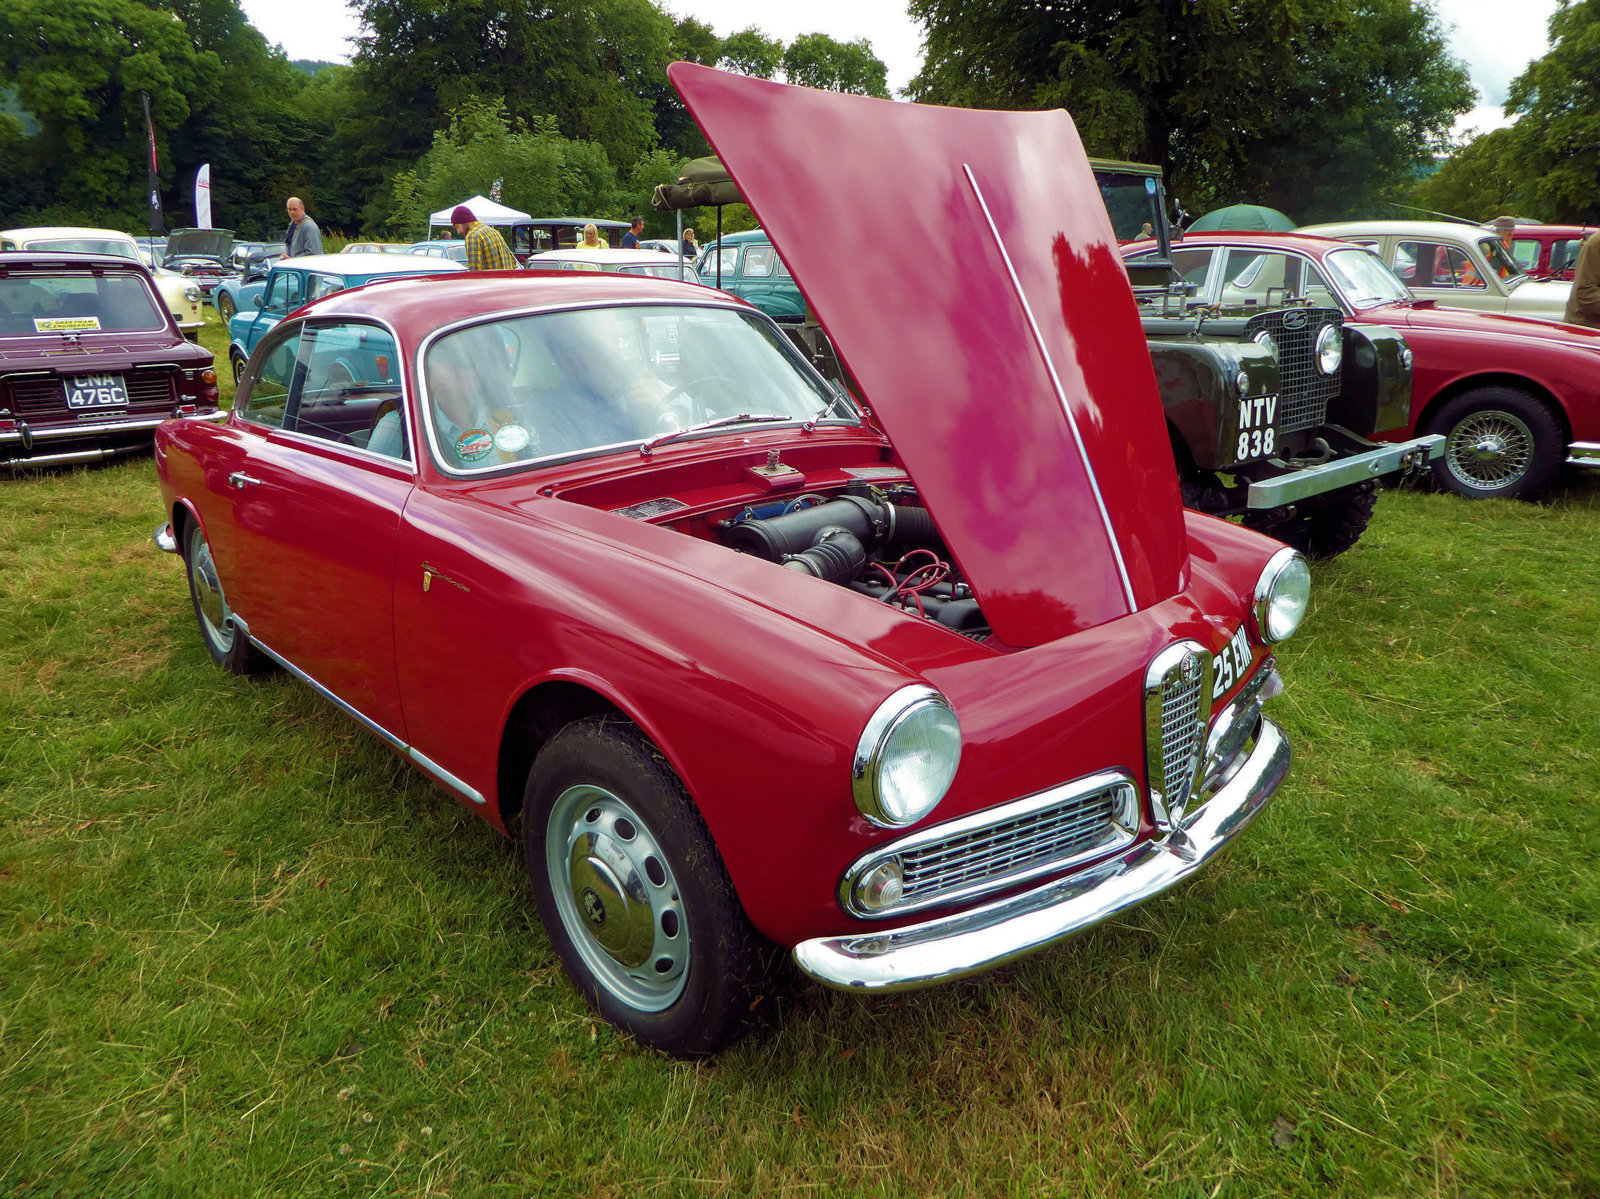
(454, 249)
(295, 281)
(240, 291)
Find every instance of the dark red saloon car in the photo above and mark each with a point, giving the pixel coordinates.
(90, 360)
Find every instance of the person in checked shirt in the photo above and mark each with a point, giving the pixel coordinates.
(486, 249)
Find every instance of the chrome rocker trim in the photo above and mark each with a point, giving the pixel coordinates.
(1583, 453)
(952, 947)
(1314, 480)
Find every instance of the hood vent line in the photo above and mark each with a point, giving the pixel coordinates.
(1061, 396)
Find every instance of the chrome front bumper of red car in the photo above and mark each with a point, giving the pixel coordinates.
(981, 938)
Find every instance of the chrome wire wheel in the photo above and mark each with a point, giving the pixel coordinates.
(216, 618)
(617, 897)
(1489, 449)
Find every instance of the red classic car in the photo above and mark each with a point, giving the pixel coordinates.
(1514, 397)
(1548, 251)
(91, 361)
(908, 692)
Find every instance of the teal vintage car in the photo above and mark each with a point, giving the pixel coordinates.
(296, 281)
(751, 269)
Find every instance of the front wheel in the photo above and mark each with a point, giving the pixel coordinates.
(1323, 526)
(226, 307)
(236, 360)
(227, 645)
(1498, 442)
(633, 894)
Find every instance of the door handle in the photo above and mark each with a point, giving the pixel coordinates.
(238, 479)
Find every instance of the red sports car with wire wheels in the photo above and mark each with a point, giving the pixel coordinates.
(907, 686)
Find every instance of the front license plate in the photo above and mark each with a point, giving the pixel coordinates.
(96, 391)
(1258, 434)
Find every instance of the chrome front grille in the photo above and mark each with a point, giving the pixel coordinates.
(1303, 390)
(1177, 706)
(1002, 846)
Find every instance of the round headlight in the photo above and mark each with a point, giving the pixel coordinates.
(192, 294)
(907, 755)
(1265, 341)
(1282, 594)
(1330, 349)
(1406, 357)
(1242, 382)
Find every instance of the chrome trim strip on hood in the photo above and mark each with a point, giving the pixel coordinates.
(1061, 393)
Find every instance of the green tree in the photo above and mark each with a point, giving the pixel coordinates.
(751, 52)
(1315, 106)
(1480, 181)
(1557, 100)
(817, 60)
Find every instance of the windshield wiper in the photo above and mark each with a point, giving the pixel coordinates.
(647, 447)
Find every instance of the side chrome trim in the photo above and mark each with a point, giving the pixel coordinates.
(951, 947)
(1314, 480)
(427, 764)
(1061, 396)
(1584, 453)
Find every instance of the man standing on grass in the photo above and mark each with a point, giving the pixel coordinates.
(486, 249)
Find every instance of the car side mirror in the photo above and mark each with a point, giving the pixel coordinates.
(259, 301)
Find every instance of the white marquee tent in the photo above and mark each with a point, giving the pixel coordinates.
(485, 209)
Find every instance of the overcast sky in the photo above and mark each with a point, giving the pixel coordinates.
(1495, 38)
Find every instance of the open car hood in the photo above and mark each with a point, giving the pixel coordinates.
(202, 243)
(963, 266)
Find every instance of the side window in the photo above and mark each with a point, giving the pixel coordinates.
(783, 268)
(350, 392)
(1563, 254)
(1193, 265)
(758, 261)
(285, 292)
(325, 285)
(263, 397)
(1429, 264)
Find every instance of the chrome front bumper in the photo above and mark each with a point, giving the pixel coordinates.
(951, 947)
(1315, 480)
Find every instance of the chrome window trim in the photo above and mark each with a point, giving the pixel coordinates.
(1124, 826)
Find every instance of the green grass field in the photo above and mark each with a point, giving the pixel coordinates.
(244, 951)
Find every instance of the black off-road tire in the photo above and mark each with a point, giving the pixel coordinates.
(618, 856)
(224, 641)
(1499, 442)
(1323, 526)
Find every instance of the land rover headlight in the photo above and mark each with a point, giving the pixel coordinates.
(907, 755)
(1265, 340)
(1330, 349)
(1282, 594)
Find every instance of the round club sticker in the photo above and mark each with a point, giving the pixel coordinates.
(510, 439)
(474, 445)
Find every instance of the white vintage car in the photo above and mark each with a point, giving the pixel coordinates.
(1455, 265)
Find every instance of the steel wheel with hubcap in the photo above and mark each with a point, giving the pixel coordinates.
(227, 646)
(225, 306)
(633, 893)
(236, 360)
(1498, 442)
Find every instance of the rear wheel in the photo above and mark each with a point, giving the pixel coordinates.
(633, 894)
(1323, 526)
(1498, 442)
(227, 645)
(236, 360)
(226, 307)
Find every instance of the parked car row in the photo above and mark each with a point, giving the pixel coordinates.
(908, 669)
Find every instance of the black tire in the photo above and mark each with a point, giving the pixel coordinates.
(1499, 442)
(226, 307)
(228, 647)
(633, 894)
(236, 360)
(1323, 526)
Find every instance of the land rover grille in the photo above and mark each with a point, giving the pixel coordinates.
(1304, 391)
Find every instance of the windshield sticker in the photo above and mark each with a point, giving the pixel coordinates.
(510, 439)
(65, 324)
(474, 445)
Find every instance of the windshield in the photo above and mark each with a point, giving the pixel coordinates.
(1363, 279)
(115, 302)
(1500, 260)
(567, 384)
(1132, 202)
(86, 245)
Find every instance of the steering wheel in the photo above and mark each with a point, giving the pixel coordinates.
(679, 395)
